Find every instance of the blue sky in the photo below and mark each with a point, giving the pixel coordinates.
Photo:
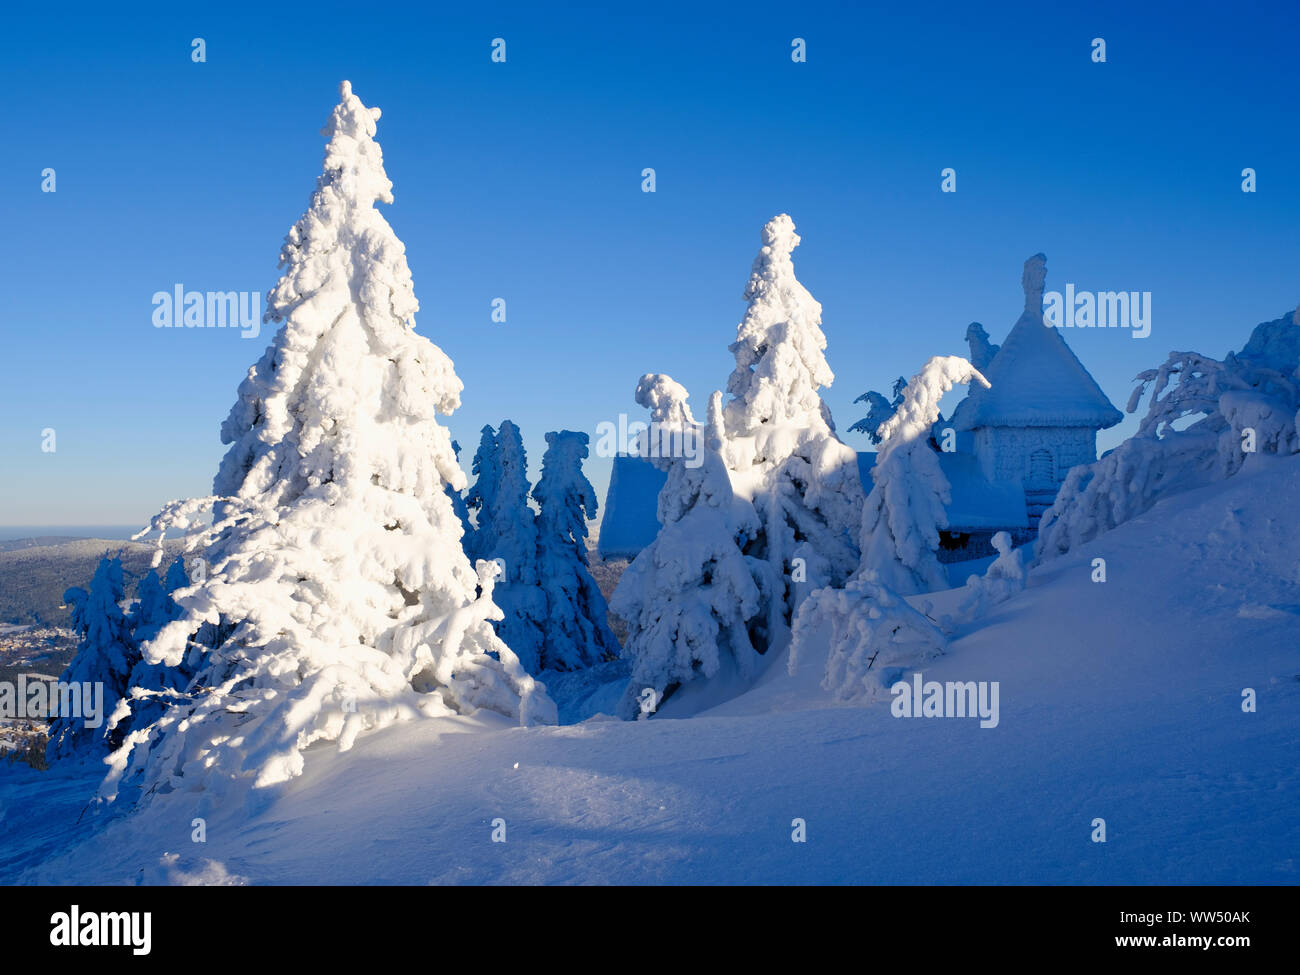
(522, 180)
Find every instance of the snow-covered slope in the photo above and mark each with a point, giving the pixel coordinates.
(1119, 700)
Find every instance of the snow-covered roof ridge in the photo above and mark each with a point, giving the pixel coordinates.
(1036, 380)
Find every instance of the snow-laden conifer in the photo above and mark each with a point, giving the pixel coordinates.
(982, 349)
(576, 624)
(879, 409)
(105, 658)
(337, 596)
(152, 686)
(1204, 419)
(690, 597)
(1005, 577)
(507, 534)
(481, 498)
(908, 501)
(458, 505)
(779, 441)
(872, 634)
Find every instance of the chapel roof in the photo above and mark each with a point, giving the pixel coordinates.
(1035, 380)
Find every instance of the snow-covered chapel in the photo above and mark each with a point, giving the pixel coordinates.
(1042, 410)
(1014, 443)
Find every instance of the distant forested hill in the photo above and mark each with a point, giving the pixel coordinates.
(33, 579)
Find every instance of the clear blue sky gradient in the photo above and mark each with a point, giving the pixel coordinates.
(523, 181)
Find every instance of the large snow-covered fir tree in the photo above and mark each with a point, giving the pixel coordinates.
(770, 514)
(576, 624)
(105, 658)
(779, 441)
(337, 590)
(908, 501)
(507, 532)
(691, 597)
(1205, 418)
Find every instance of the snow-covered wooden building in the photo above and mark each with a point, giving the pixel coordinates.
(1042, 410)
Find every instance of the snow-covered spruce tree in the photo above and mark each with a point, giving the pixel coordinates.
(336, 585)
(105, 658)
(779, 440)
(458, 504)
(908, 501)
(507, 533)
(151, 686)
(691, 597)
(1246, 403)
(577, 624)
(1005, 577)
(154, 606)
(505, 530)
(879, 410)
(874, 637)
(482, 497)
(982, 350)
(874, 634)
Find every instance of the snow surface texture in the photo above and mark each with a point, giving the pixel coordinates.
(1254, 390)
(1119, 700)
(907, 505)
(976, 502)
(335, 580)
